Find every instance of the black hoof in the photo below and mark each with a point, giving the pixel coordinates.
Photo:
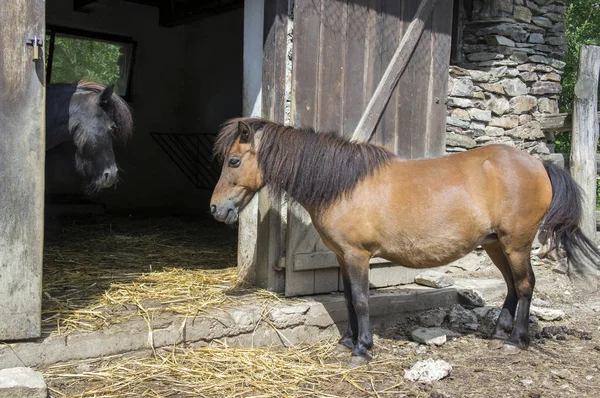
(360, 351)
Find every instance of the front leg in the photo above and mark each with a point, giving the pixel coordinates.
(349, 338)
(356, 272)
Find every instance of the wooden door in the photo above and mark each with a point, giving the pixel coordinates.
(340, 51)
(22, 153)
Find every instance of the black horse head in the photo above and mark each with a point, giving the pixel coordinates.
(92, 117)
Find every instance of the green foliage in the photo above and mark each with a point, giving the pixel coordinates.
(582, 27)
(80, 58)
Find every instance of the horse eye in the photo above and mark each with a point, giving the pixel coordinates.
(234, 162)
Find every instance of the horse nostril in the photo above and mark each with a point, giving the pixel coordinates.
(213, 209)
(106, 175)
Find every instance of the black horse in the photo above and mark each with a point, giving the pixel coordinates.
(90, 117)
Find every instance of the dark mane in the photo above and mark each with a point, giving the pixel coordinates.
(315, 169)
(120, 111)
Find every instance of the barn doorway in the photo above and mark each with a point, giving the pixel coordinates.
(179, 66)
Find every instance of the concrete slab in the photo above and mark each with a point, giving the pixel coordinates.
(289, 322)
(22, 382)
(491, 289)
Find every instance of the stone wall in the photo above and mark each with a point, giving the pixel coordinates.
(506, 74)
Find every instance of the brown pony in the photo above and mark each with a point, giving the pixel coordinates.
(366, 202)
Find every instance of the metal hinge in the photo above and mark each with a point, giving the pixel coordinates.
(36, 43)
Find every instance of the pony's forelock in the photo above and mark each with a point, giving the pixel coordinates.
(119, 110)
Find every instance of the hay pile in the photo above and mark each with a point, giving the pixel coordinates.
(221, 371)
(99, 272)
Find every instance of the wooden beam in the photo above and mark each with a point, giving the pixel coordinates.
(558, 122)
(370, 117)
(178, 13)
(584, 139)
(88, 6)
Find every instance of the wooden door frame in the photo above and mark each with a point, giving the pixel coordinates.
(22, 156)
(251, 106)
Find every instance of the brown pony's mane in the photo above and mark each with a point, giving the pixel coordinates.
(120, 111)
(315, 169)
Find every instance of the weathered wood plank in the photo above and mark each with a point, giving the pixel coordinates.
(373, 69)
(391, 28)
(305, 105)
(331, 103)
(558, 122)
(270, 224)
(248, 229)
(376, 106)
(406, 96)
(359, 17)
(441, 38)
(584, 139)
(421, 68)
(22, 154)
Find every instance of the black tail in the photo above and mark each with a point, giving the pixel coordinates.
(562, 221)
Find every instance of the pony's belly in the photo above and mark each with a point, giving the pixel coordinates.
(426, 255)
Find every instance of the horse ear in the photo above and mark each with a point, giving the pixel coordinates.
(106, 96)
(245, 132)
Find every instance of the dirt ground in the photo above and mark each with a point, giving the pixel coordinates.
(85, 257)
(556, 365)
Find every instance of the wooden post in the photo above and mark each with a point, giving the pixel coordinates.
(251, 104)
(584, 140)
(22, 153)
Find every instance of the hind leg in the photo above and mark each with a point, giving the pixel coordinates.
(504, 325)
(524, 283)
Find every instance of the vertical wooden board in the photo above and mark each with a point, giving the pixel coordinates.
(331, 65)
(305, 84)
(359, 16)
(270, 224)
(441, 39)
(281, 59)
(299, 224)
(22, 153)
(269, 55)
(372, 68)
(422, 73)
(391, 26)
(274, 60)
(331, 102)
(406, 95)
(307, 27)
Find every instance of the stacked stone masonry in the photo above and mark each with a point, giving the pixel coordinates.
(508, 74)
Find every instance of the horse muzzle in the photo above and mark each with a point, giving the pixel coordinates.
(108, 178)
(227, 214)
